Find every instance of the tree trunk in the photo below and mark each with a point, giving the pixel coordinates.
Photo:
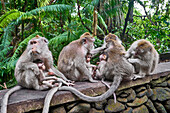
(94, 23)
(130, 6)
(3, 5)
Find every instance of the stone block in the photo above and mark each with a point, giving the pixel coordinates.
(114, 107)
(151, 107)
(149, 92)
(164, 84)
(140, 89)
(141, 109)
(161, 94)
(138, 101)
(80, 108)
(58, 110)
(128, 110)
(132, 96)
(167, 105)
(99, 105)
(160, 108)
(123, 100)
(93, 110)
(142, 93)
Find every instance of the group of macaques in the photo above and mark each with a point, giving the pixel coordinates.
(35, 70)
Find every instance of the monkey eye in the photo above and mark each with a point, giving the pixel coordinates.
(45, 41)
(33, 42)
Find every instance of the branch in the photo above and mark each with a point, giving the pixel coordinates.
(145, 11)
(127, 17)
(81, 18)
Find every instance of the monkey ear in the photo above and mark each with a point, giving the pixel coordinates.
(84, 41)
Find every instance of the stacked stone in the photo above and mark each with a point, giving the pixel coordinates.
(153, 97)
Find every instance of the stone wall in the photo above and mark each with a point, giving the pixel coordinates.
(148, 95)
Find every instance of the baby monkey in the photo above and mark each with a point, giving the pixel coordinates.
(45, 77)
(103, 58)
(90, 67)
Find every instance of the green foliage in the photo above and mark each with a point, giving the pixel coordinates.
(157, 34)
(8, 17)
(60, 24)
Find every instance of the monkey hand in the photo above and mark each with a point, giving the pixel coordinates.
(35, 69)
(127, 55)
(70, 84)
(132, 60)
(70, 81)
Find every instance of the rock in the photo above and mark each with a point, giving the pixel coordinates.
(69, 106)
(124, 100)
(160, 107)
(128, 110)
(124, 95)
(142, 93)
(168, 82)
(150, 105)
(142, 109)
(138, 101)
(167, 105)
(158, 81)
(164, 84)
(80, 108)
(93, 110)
(59, 110)
(140, 89)
(114, 107)
(161, 94)
(99, 105)
(132, 96)
(149, 92)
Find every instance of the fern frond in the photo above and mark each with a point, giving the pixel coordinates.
(42, 3)
(53, 8)
(8, 17)
(20, 49)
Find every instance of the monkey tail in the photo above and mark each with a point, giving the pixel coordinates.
(6, 96)
(114, 86)
(48, 99)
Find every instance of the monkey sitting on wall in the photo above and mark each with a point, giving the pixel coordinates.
(143, 56)
(72, 59)
(28, 74)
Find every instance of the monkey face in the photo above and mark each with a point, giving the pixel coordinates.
(37, 45)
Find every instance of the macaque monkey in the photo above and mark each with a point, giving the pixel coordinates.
(27, 72)
(143, 56)
(106, 43)
(72, 59)
(103, 60)
(90, 67)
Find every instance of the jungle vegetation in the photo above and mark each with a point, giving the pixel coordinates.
(62, 21)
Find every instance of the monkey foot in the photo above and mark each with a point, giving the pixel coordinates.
(93, 80)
